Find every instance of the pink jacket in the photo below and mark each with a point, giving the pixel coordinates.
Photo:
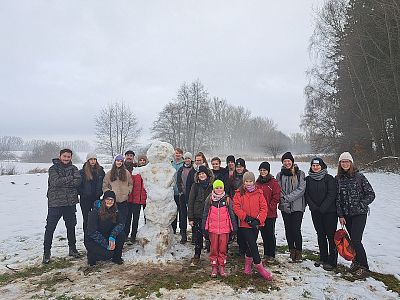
(220, 218)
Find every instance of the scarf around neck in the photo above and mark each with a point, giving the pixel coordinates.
(318, 176)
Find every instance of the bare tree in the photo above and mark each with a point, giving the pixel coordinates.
(116, 128)
(8, 144)
(277, 143)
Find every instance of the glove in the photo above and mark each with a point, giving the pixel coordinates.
(255, 223)
(249, 220)
(206, 235)
(232, 236)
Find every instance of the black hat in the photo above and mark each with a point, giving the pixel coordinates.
(265, 165)
(130, 152)
(109, 194)
(240, 162)
(230, 158)
(287, 155)
(319, 161)
(204, 170)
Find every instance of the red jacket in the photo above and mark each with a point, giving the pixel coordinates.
(250, 204)
(138, 194)
(272, 194)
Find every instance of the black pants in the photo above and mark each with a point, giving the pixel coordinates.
(54, 214)
(122, 211)
(292, 223)
(95, 252)
(325, 226)
(268, 237)
(355, 226)
(198, 235)
(182, 213)
(250, 236)
(179, 216)
(133, 218)
(86, 204)
(240, 239)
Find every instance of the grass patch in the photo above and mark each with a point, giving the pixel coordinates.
(58, 263)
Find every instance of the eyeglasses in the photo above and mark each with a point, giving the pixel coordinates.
(110, 199)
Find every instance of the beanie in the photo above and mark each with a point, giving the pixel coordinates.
(188, 155)
(319, 161)
(346, 156)
(204, 170)
(230, 158)
(130, 152)
(287, 155)
(118, 157)
(218, 183)
(240, 162)
(265, 165)
(249, 176)
(109, 194)
(91, 155)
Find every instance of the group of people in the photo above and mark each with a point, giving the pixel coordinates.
(221, 204)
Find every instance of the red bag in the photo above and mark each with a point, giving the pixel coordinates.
(343, 245)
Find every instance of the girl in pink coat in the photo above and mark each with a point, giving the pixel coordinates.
(219, 223)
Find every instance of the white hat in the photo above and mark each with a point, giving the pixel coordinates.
(346, 156)
(188, 155)
(91, 155)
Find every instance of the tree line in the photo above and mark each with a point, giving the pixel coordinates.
(353, 95)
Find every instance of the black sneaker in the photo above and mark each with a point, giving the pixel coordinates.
(328, 267)
(46, 258)
(91, 263)
(74, 253)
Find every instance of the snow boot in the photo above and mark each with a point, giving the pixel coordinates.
(222, 271)
(299, 256)
(73, 252)
(248, 261)
(46, 257)
(214, 271)
(263, 272)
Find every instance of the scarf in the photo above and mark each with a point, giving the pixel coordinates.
(204, 183)
(318, 176)
(216, 197)
(265, 179)
(250, 188)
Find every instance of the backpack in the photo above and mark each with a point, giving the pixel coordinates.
(343, 245)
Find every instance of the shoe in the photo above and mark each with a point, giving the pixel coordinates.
(292, 255)
(129, 242)
(263, 272)
(328, 267)
(354, 267)
(194, 262)
(318, 263)
(269, 259)
(118, 261)
(73, 252)
(214, 271)
(248, 261)
(222, 271)
(299, 256)
(91, 263)
(46, 258)
(361, 272)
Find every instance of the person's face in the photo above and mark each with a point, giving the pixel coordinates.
(66, 158)
(109, 202)
(129, 157)
(92, 161)
(198, 160)
(202, 176)
(263, 172)
(231, 165)
(188, 160)
(239, 169)
(316, 168)
(178, 155)
(118, 163)
(287, 163)
(215, 165)
(345, 164)
(219, 190)
(142, 162)
(248, 182)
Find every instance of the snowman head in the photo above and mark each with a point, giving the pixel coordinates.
(160, 152)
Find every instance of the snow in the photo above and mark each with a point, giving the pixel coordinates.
(23, 218)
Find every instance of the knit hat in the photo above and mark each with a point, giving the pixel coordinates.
(319, 161)
(109, 194)
(188, 155)
(249, 176)
(203, 169)
(287, 155)
(346, 156)
(240, 162)
(265, 165)
(91, 155)
(218, 183)
(118, 157)
(130, 152)
(230, 158)
(143, 157)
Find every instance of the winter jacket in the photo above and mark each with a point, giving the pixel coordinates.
(197, 199)
(272, 194)
(218, 216)
(321, 194)
(185, 189)
(223, 175)
(122, 189)
(235, 182)
(292, 196)
(138, 194)
(91, 188)
(177, 166)
(101, 230)
(354, 194)
(63, 184)
(251, 204)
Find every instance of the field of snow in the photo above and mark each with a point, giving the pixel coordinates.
(24, 209)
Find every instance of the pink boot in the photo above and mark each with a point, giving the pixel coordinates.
(222, 271)
(248, 261)
(214, 271)
(263, 272)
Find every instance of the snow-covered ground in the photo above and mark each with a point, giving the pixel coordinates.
(24, 209)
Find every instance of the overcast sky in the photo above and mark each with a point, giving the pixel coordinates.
(61, 61)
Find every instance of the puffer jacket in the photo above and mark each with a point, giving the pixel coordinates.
(321, 194)
(251, 204)
(139, 194)
(122, 189)
(218, 216)
(354, 194)
(292, 196)
(92, 188)
(272, 194)
(197, 198)
(63, 184)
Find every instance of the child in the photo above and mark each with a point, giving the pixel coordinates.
(251, 208)
(219, 223)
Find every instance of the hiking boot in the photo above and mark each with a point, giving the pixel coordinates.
(263, 272)
(354, 267)
(214, 271)
(292, 255)
(73, 252)
(46, 258)
(183, 238)
(361, 272)
(222, 271)
(328, 267)
(299, 256)
(194, 262)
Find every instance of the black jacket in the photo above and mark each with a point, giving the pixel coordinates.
(197, 199)
(321, 194)
(223, 175)
(91, 188)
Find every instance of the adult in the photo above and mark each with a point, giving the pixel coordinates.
(62, 195)
(321, 199)
(129, 161)
(292, 204)
(355, 193)
(220, 173)
(272, 193)
(200, 160)
(104, 238)
(230, 165)
(90, 190)
(177, 163)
